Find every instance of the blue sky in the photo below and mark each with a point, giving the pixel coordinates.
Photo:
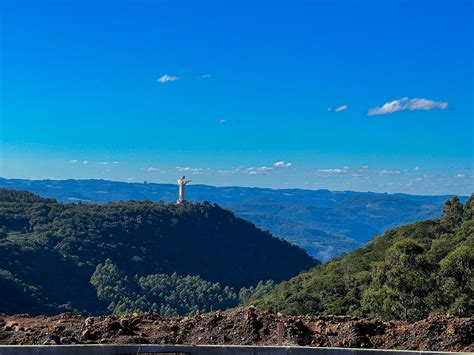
(345, 95)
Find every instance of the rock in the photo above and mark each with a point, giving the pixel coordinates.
(60, 328)
(87, 335)
(243, 326)
(113, 326)
(124, 323)
(54, 338)
(10, 325)
(136, 321)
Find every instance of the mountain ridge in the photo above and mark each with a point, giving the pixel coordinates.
(54, 255)
(410, 272)
(323, 222)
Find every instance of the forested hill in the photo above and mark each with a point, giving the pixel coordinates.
(50, 251)
(325, 223)
(408, 273)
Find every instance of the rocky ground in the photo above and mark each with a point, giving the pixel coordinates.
(244, 326)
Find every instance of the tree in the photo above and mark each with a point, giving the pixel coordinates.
(246, 294)
(453, 212)
(400, 284)
(112, 286)
(457, 281)
(469, 209)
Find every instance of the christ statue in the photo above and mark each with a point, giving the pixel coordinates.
(182, 186)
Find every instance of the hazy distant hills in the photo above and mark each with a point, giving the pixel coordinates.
(325, 223)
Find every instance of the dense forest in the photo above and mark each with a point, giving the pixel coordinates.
(324, 223)
(135, 255)
(408, 273)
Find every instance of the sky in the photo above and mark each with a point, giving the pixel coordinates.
(341, 94)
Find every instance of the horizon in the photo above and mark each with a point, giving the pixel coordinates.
(236, 186)
(346, 96)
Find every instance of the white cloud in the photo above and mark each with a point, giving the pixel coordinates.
(222, 120)
(194, 171)
(262, 170)
(389, 172)
(406, 104)
(85, 162)
(205, 76)
(74, 161)
(461, 175)
(103, 162)
(331, 171)
(341, 108)
(165, 78)
(152, 169)
(282, 164)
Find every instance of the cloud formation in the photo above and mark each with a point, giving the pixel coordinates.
(282, 164)
(152, 169)
(75, 161)
(331, 171)
(194, 171)
(390, 172)
(262, 170)
(341, 108)
(165, 78)
(406, 104)
(106, 162)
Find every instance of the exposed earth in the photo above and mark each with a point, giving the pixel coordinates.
(241, 326)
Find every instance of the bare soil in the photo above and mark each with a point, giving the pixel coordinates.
(242, 326)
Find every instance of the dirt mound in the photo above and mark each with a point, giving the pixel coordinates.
(243, 326)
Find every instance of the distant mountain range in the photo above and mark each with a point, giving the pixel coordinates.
(325, 223)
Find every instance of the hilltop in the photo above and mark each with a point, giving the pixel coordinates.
(408, 273)
(324, 223)
(135, 255)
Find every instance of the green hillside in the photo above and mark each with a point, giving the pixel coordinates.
(408, 273)
(132, 255)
